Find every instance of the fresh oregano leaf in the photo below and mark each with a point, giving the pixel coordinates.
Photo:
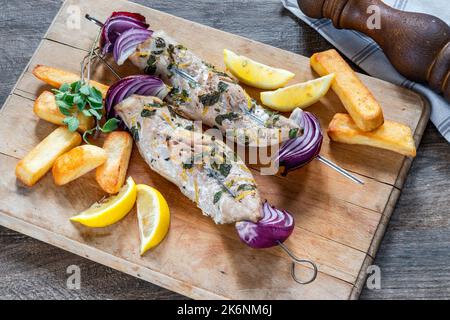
(64, 87)
(72, 123)
(85, 90)
(217, 196)
(110, 125)
(96, 114)
(146, 113)
(96, 95)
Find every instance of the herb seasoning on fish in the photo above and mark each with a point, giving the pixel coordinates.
(214, 96)
(205, 169)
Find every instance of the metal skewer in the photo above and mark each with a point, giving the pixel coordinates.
(108, 65)
(214, 174)
(184, 74)
(296, 261)
(339, 169)
(190, 78)
(94, 20)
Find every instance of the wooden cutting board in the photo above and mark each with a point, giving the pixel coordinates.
(339, 224)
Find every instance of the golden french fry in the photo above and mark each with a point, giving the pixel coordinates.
(56, 77)
(356, 98)
(391, 135)
(111, 175)
(45, 108)
(40, 160)
(77, 162)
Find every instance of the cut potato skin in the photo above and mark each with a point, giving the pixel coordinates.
(356, 98)
(41, 159)
(390, 136)
(45, 107)
(77, 162)
(111, 175)
(56, 77)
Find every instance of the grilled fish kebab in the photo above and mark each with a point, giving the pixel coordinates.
(200, 92)
(206, 170)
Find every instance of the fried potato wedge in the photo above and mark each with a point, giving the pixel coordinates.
(391, 135)
(356, 98)
(77, 162)
(111, 175)
(45, 107)
(41, 159)
(56, 77)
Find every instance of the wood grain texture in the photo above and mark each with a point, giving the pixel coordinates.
(268, 11)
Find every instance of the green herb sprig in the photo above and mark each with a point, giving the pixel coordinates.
(109, 126)
(75, 98)
(81, 98)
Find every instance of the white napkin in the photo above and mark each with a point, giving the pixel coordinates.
(365, 53)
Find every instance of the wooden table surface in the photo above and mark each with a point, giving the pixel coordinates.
(414, 257)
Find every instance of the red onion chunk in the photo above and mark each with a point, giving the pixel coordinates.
(145, 85)
(274, 228)
(134, 15)
(127, 42)
(299, 151)
(118, 23)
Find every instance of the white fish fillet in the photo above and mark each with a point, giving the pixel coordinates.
(207, 171)
(211, 96)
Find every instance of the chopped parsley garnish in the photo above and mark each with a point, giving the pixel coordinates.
(228, 116)
(151, 65)
(188, 165)
(293, 133)
(246, 187)
(146, 113)
(223, 168)
(179, 96)
(222, 86)
(212, 98)
(213, 69)
(217, 196)
(160, 44)
(154, 104)
(135, 131)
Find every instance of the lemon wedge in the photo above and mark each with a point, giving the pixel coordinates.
(300, 95)
(110, 210)
(153, 216)
(255, 74)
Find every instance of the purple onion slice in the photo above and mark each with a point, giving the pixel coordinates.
(297, 152)
(127, 42)
(274, 228)
(145, 85)
(118, 23)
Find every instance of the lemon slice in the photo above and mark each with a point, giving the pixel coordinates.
(255, 74)
(153, 216)
(110, 210)
(300, 95)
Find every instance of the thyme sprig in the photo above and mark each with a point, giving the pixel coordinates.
(81, 98)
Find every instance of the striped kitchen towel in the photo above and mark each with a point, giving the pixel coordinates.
(365, 53)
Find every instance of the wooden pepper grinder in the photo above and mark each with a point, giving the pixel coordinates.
(417, 44)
